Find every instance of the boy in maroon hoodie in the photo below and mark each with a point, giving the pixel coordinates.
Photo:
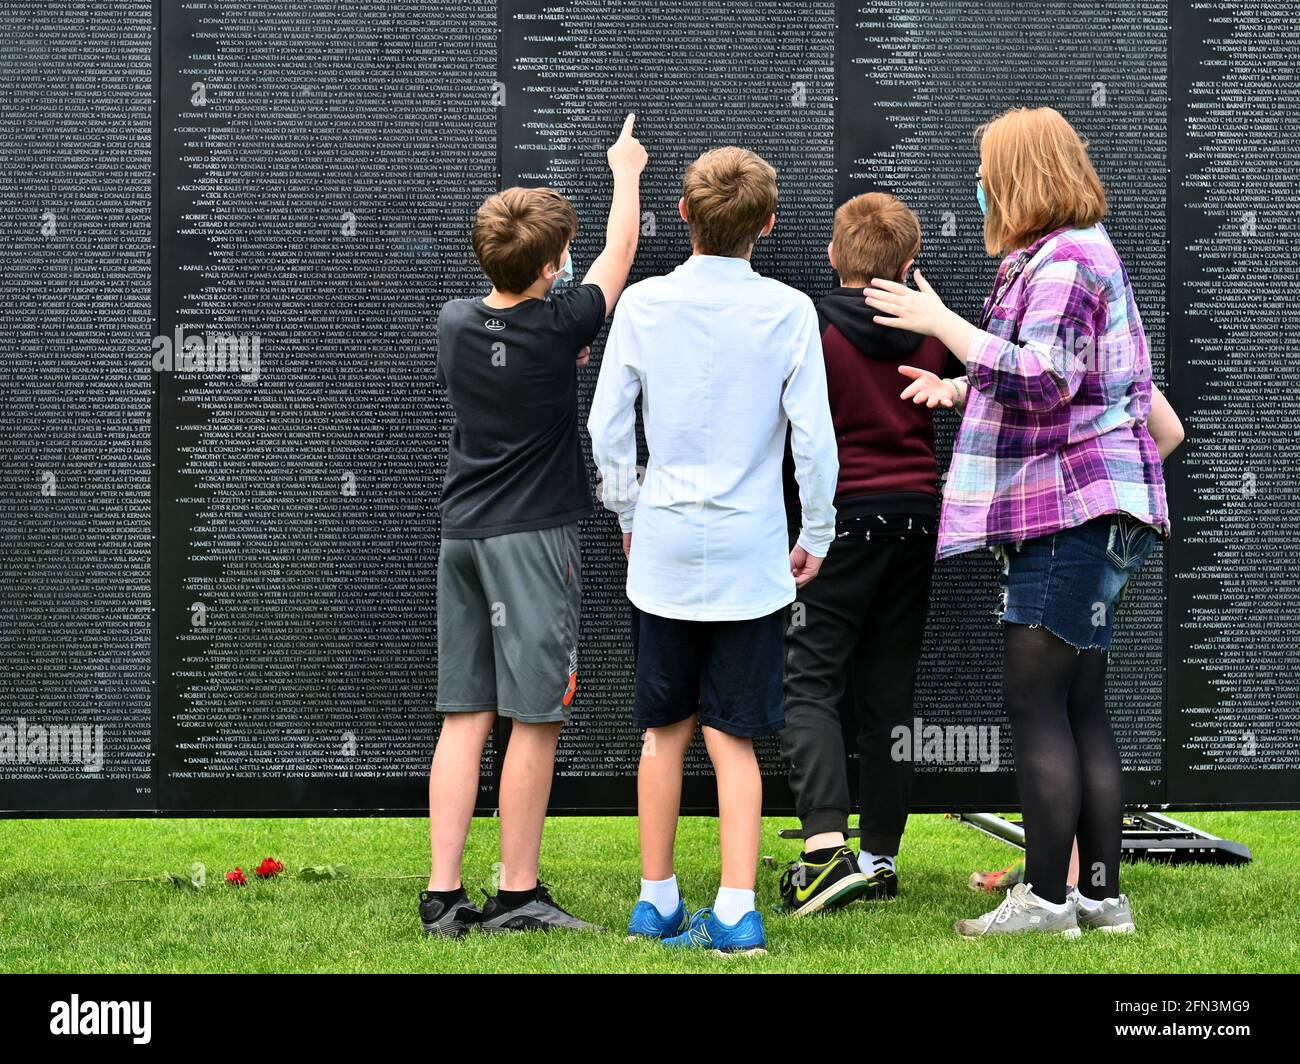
(860, 624)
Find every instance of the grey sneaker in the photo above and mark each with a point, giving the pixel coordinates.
(1021, 913)
(540, 914)
(1113, 915)
(447, 919)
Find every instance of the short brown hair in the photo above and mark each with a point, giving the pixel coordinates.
(519, 231)
(730, 194)
(875, 234)
(1037, 177)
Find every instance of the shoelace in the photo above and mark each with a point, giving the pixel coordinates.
(1010, 905)
(696, 929)
(544, 895)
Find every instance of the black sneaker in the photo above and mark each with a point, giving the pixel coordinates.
(540, 914)
(448, 919)
(882, 883)
(811, 888)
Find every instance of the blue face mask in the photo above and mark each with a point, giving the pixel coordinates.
(979, 196)
(566, 271)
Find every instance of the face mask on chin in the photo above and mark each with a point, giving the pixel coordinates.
(565, 274)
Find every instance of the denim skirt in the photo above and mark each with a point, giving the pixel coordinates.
(1071, 582)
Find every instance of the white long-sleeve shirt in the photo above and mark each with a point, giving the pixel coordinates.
(722, 359)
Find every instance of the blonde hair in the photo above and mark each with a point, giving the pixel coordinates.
(875, 234)
(519, 231)
(1037, 177)
(730, 194)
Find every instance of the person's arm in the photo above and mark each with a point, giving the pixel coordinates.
(920, 311)
(929, 388)
(627, 158)
(1163, 424)
(812, 443)
(612, 425)
(961, 385)
(1039, 371)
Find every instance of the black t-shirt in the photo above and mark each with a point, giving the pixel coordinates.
(515, 461)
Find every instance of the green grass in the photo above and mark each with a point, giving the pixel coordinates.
(60, 910)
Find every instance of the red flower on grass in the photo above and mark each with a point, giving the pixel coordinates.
(269, 868)
(236, 878)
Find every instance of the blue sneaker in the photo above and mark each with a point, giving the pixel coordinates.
(647, 923)
(743, 938)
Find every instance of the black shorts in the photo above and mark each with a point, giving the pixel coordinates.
(729, 672)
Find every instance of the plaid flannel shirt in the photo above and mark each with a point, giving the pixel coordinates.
(1055, 427)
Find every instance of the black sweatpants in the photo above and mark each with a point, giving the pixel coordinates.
(859, 623)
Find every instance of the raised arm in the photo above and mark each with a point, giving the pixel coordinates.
(627, 158)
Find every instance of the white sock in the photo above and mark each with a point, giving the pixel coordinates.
(871, 862)
(732, 904)
(1052, 906)
(662, 894)
(1089, 904)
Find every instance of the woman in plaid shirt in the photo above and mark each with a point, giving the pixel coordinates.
(1056, 467)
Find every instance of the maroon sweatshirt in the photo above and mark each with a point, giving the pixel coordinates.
(886, 444)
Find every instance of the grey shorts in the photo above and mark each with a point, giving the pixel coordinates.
(508, 610)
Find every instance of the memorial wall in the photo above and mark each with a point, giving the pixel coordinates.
(77, 416)
(229, 225)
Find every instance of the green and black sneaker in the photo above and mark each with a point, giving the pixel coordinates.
(882, 880)
(809, 886)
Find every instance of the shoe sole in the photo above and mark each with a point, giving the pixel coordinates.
(651, 938)
(881, 891)
(1071, 933)
(848, 889)
(1115, 929)
(756, 951)
(446, 932)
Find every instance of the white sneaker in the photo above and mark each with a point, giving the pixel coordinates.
(1022, 912)
(1112, 915)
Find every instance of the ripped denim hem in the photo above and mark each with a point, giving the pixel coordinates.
(1078, 649)
(1003, 558)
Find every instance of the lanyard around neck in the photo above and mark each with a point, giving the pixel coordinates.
(1013, 271)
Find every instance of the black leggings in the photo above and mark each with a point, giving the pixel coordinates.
(1067, 763)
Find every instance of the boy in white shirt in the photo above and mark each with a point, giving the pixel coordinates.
(723, 360)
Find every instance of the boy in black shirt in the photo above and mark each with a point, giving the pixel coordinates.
(509, 567)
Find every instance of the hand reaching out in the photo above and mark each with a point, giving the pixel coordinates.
(928, 388)
(920, 310)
